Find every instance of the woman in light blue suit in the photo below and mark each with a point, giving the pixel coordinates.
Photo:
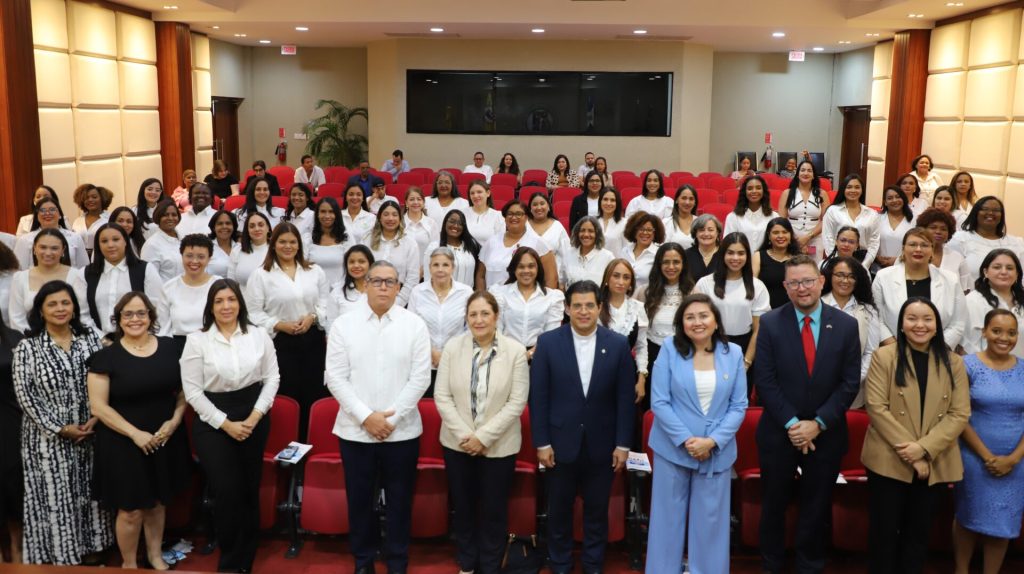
(699, 399)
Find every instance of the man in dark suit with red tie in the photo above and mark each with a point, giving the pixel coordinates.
(806, 372)
(581, 417)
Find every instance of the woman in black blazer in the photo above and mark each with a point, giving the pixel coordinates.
(593, 185)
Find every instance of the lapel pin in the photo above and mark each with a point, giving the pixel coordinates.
(828, 325)
(602, 351)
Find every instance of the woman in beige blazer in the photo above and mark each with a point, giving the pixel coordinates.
(919, 402)
(482, 385)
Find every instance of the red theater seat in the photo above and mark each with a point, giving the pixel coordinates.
(234, 202)
(719, 210)
(562, 209)
(564, 194)
(337, 174)
(430, 499)
(527, 191)
(456, 172)
(509, 179)
(707, 196)
(850, 500)
(411, 178)
(284, 428)
(468, 178)
(625, 179)
(502, 194)
(285, 176)
(335, 190)
(280, 201)
(522, 500)
(628, 194)
(730, 196)
(324, 502)
(537, 177)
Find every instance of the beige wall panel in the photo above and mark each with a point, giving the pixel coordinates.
(94, 81)
(948, 50)
(138, 85)
(875, 181)
(984, 146)
(941, 140)
(880, 98)
(883, 61)
(945, 96)
(92, 29)
(57, 134)
(989, 94)
(63, 178)
(200, 52)
(140, 131)
(136, 170)
(201, 89)
(108, 173)
(877, 135)
(1015, 157)
(50, 24)
(945, 174)
(989, 184)
(1013, 199)
(204, 129)
(97, 133)
(994, 39)
(1018, 94)
(136, 38)
(204, 162)
(53, 77)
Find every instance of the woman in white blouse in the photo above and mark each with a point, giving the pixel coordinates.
(496, 253)
(584, 256)
(528, 308)
(180, 310)
(964, 194)
(911, 190)
(441, 303)
(162, 249)
(289, 298)
(388, 242)
(848, 288)
(669, 284)
(944, 200)
(25, 223)
(128, 221)
(613, 224)
(257, 200)
(753, 211)
(897, 219)
(850, 209)
(679, 225)
(465, 249)
(804, 204)
(328, 241)
(356, 215)
(623, 314)
(541, 220)
(251, 251)
(927, 182)
(47, 214)
(914, 276)
(93, 202)
(942, 226)
(444, 198)
(114, 271)
(300, 209)
(983, 231)
(999, 287)
(484, 221)
(150, 193)
(224, 234)
(50, 263)
(653, 199)
(352, 289)
(644, 234)
(739, 296)
(230, 376)
(420, 227)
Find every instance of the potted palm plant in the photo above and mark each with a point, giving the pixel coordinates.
(328, 138)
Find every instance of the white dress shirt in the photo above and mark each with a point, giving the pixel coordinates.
(484, 169)
(928, 185)
(345, 302)
(378, 364)
(274, 214)
(464, 270)
(77, 254)
(675, 235)
(526, 319)
(613, 230)
(870, 334)
(403, 254)
(641, 265)
(737, 311)
(576, 267)
(212, 363)
(272, 296)
(974, 248)
(484, 227)
(867, 223)
(660, 207)
(220, 261)
(164, 252)
(496, 256)
(242, 265)
(192, 222)
(662, 325)
(88, 232)
(113, 283)
(557, 240)
(436, 211)
(890, 241)
(585, 347)
(315, 180)
(423, 231)
(444, 319)
(9, 240)
(6, 278)
(24, 225)
(181, 308)
(918, 205)
(358, 228)
(374, 203)
(304, 222)
(330, 258)
(955, 263)
(752, 224)
(22, 297)
(890, 292)
(623, 318)
(977, 308)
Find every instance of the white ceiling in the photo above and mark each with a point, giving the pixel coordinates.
(726, 25)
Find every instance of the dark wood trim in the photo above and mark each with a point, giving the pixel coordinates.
(174, 87)
(119, 8)
(979, 13)
(906, 101)
(20, 151)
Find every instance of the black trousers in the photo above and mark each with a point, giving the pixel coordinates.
(592, 479)
(393, 466)
(479, 489)
(900, 517)
(300, 359)
(652, 355)
(744, 341)
(233, 470)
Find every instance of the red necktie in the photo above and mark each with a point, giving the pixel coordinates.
(808, 339)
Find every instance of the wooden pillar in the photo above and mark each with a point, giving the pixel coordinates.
(21, 164)
(174, 85)
(906, 101)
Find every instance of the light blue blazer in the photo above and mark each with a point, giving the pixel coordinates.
(677, 412)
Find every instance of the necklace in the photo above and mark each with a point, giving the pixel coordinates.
(137, 348)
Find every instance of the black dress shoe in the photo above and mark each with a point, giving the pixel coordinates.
(365, 570)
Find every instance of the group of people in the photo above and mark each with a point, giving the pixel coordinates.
(809, 311)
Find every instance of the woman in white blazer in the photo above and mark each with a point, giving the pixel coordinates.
(914, 276)
(482, 385)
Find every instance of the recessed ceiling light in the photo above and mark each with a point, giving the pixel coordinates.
(437, 29)
(954, 4)
(170, 7)
(538, 30)
(215, 27)
(845, 42)
(778, 34)
(301, 29)
(239, 35)
(818, 49)
(915, 15)
(640, 32)
(264, 41)
(872, 35)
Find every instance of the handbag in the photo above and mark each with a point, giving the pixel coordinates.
(522, 555)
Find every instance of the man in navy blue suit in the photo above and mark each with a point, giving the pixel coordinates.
(581, 416)
(807, 372)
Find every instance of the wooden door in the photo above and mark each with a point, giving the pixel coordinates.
(225, 133)
(854, 158)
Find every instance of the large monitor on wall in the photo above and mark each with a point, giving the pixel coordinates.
(539, 103)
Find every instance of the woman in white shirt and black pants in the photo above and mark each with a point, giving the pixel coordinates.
(180, 310)
(288, 297)
(229, 374)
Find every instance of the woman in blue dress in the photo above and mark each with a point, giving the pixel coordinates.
(990, 499)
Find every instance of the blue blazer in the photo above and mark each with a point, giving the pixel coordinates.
(677, 412)
(560, 414)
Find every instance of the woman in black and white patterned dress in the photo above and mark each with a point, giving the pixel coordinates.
(62, 523)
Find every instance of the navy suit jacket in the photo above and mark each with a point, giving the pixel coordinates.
(786, 390)
(560, 414)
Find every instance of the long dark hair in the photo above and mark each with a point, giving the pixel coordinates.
(140, 200)
(605, 293)
(937, 346)
(917, 184)
(136, 236)
(98, 263)
(213, 225)
(8, 260)
(243, 312)
(246, 240)
(696, 201)
(907, 213)
(835, 250)
(971, 223)
(617, 215)
(846, 182)
(792, 249)
(516, 258)
(684, 346)
(281, 229)
(60, 211)
(743, 202)
(568, 166)
(722, 270)
(65, 259)
(656, 285)
(288, 213)
(794, 184)
(513, 169)
(862, 280)
(36, 324)
(350, 283)
(469, 243)
(337, 230)
(251, 206)
(981, 284)
(661, 182)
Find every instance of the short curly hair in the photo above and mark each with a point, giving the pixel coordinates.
(639, 218)
(106, 196)
(932, 215)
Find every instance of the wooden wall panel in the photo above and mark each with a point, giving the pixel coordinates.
(174, 84)
(906, 101)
